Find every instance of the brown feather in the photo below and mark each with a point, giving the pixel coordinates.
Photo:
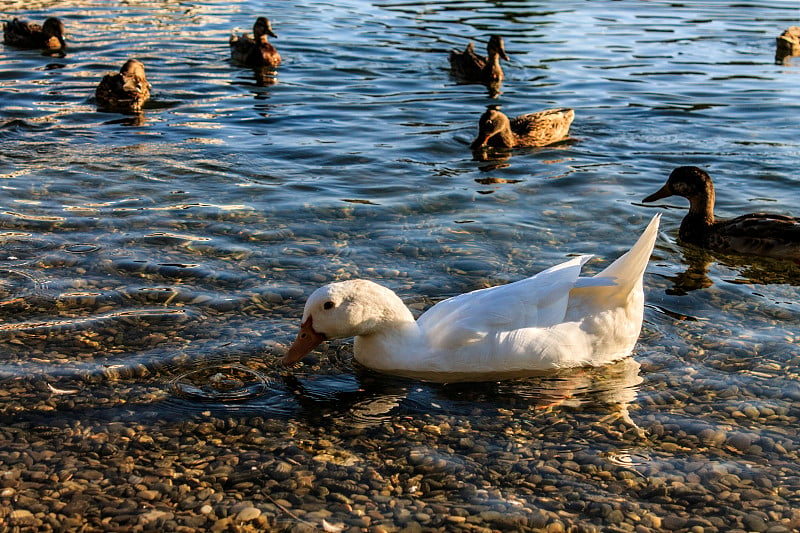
(256, 51)
(49, 36)
(126, 91)
(764, 234)
(470, 66)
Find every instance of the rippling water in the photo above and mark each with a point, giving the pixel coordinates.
(153, 268)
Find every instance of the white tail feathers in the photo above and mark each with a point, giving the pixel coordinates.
(629, 268)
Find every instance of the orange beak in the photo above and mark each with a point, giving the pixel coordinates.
(307, 339)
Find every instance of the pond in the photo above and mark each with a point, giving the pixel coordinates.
(155, 268)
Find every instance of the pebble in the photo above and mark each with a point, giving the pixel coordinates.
(149, 494)
(248, 514)
(753, 522)
(499, 464)
(20, 516)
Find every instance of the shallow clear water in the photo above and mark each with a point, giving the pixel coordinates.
(138, 253)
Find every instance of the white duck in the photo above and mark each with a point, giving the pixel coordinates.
(555, 319)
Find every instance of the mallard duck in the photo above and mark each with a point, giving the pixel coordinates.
(787, 44)
(555, 319)
(256, 51)
(126, 91)
(755, 234)
(533, 129)
(473, 67)
(48, 36)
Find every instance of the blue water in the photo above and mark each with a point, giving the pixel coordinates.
(139, 250)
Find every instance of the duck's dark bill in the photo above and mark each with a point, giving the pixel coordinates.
(663, 192)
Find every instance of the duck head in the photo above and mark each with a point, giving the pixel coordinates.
(53, 27)
(690, 182)
(493, 128)
(263, 26)
(133, 74)
(345, 309)
(496, 46)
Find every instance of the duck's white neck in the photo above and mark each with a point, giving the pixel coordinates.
(392, 346)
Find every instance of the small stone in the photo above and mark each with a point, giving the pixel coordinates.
(616, 516)
(248, 513)
(90, 475)
(778, 529)
(154, 516)
(21, 516)
(740, 441)
(282, 471)
(753, 522)
(221, 525)
(206, 509)
(673, 522)
(651, 520)
(149, 494)
(432, 430)
(751, 411)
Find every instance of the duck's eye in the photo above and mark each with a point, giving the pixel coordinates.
(327, 305)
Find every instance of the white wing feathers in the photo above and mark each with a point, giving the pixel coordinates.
(539, 301)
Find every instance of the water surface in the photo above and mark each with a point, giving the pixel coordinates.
(154, 268)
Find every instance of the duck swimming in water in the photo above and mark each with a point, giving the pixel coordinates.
(555, 319)
(761, 234)
(787, 44)
(48, 36)
(470, 66)
(533, 129)
(256, 51)
(126, 91)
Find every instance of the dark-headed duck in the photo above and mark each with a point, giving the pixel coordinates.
(763, 234)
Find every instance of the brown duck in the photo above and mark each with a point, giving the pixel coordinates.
(474, 67)
(256, 51)
(126, 91)
(761, 234)
(787, 44)
(48, 36)
(533, 129)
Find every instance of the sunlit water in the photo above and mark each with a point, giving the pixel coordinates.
(154, 268)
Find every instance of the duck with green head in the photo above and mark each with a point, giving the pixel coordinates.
(48, 36)
(764, 234)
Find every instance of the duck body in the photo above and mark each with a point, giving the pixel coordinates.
(495, 129)
(555, 319)
(764, 234)
(49, 36)
(474, 67)
(125, 91)
(256, 51)
(787, 43)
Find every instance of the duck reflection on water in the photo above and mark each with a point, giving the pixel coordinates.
(749, 270)
(367, 398)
